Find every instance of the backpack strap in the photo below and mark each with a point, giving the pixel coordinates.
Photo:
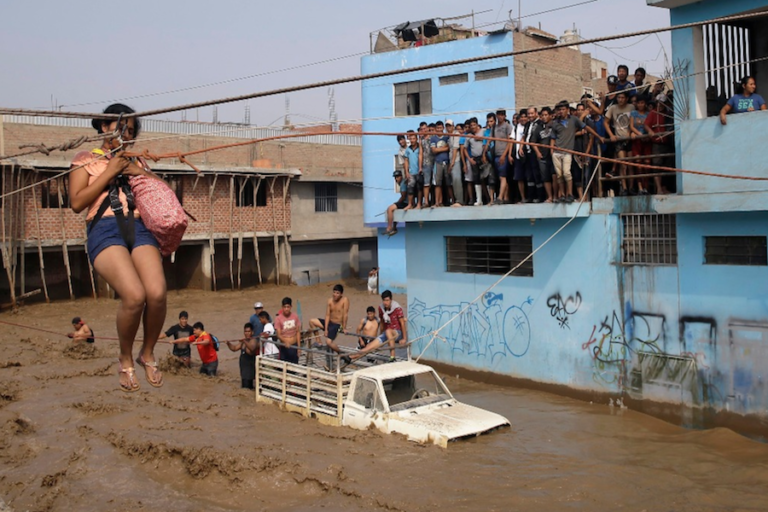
(126, 224)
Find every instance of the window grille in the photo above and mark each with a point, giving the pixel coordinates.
(489, 74)
(413, 98)
(489, 255)
(454, 79)
(326, 199)
(726, 53)
(649, 239)
(735, 250)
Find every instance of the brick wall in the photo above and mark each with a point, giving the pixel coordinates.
(342, 163)
(545, 78)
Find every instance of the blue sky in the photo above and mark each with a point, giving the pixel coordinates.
(75, 52)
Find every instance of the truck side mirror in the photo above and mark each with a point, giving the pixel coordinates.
(369, 401)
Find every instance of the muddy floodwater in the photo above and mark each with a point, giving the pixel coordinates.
(70, 440)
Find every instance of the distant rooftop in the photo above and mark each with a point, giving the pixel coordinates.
(426, 32)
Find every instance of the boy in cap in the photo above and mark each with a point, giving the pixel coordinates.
(258, 307)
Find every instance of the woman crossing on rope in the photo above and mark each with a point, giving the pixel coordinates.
(120, 247)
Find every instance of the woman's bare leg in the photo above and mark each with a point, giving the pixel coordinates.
(149, 266)
(115, 265)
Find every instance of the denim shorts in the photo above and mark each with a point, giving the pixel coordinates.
(383, 336)
(107, 233)
(428, 169)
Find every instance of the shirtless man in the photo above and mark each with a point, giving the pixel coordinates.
(369, 327)
(393, 329)
(82, 332)
(336, 315)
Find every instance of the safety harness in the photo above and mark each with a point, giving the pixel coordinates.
(126, 223)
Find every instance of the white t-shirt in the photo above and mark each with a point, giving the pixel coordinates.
(269, 347)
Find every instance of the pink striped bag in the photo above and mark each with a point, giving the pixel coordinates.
(161, 211)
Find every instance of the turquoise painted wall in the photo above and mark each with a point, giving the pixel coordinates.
(479, 97)
(688, 334)
(392, 262)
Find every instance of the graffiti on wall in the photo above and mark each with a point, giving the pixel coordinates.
(638, 356)
(487, 329)
(562, 308)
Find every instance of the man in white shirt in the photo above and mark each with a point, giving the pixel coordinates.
(267, 336)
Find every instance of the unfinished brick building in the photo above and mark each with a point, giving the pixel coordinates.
(243, 225)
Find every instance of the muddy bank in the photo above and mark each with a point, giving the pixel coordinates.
(70, 440)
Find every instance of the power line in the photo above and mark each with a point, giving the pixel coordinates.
(220, 82)
(230, 129)
(371, 76)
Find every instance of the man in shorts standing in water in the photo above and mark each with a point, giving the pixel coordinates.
(336, 316)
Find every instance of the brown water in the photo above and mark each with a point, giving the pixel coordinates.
(70, 440)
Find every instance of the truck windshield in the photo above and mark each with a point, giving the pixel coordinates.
(414, 391)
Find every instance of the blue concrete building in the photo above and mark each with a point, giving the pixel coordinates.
(660, 301)
(451, 92)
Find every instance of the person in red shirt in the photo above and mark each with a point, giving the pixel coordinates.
(392, 325)
(659, 124)
(288, 328)
(204, 343)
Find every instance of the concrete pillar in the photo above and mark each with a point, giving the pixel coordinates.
(283, 268)
(205, 267)
(354, 259)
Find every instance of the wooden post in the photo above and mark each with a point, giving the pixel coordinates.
(231, 215)
(21, 250)
(64, 249)
(289, 265)
(275, 239)
(5, 244)
(256, 229)
(90, 266)
(21, 182)
(210, 240)
(245, 180)
(40, 246)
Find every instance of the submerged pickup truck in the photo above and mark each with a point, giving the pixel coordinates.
(401, 397)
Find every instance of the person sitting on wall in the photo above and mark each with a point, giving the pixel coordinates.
(401, 204)
(412, 165)
(82, 332)
(745, 100)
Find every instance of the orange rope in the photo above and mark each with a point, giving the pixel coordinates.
(181, 156)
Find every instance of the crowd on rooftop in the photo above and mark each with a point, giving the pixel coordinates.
(526, 159)
(498, 160)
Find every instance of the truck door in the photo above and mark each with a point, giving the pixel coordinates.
(365, 405)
